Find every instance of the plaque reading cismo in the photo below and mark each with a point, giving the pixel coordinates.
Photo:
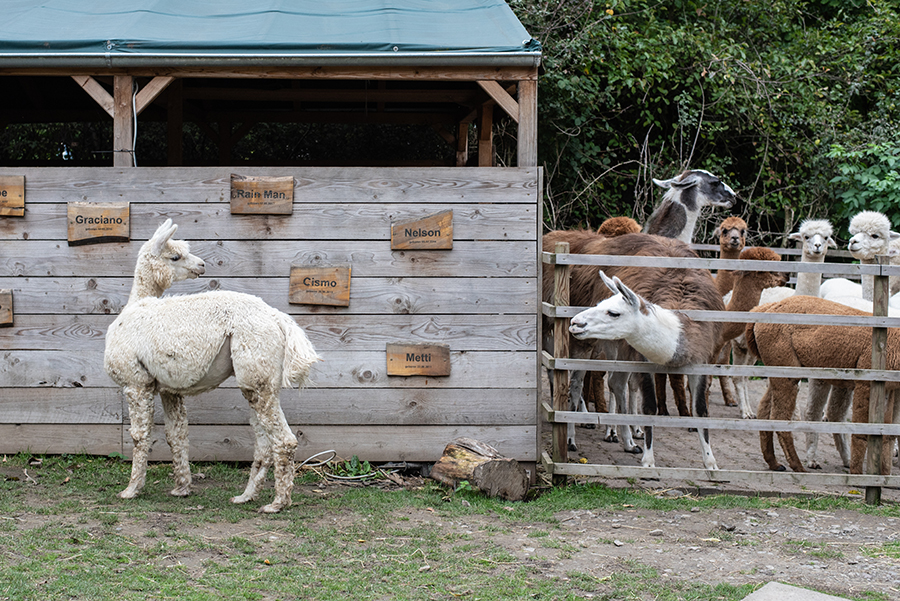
(320, 285)
(262, 195)
(95, 222)
(6, 308)
(12, 196)
(434, 232)
(418, 359)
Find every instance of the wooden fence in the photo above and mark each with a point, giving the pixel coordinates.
(481, 298)
(559, 415)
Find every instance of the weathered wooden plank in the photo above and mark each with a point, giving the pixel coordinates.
(62, 406)
(326, 185)
(808, 479)
(92, 295)
(57, 439)
(85, 333)
(340, 369)
(259, 258)
(369, 443)
(309, 221)
(321, 406)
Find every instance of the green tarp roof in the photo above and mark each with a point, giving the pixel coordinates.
(122, 33)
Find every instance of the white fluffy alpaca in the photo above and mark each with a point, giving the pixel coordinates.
(185, 345)
(814, 236)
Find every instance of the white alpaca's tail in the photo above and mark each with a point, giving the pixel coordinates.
(299, 354)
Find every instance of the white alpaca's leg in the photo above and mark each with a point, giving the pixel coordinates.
(177, 437)
(576, 402)
(837, 410)
(741, 356)
(283, 444)
(634, 407)
(649, 407)
(618, 386)
(262, 461)
(699, 391)
(140, 413)
(817, 397)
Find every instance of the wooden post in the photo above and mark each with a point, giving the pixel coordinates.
(123, 121)
(527, 134)
(175, 125)
(877, 400)
(560, 449)
(462, 144)
(486, 136)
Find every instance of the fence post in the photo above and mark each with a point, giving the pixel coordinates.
(877, 400)
(560, 449)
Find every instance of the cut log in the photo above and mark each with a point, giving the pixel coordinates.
(480, 464)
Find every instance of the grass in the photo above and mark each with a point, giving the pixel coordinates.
(65, 535)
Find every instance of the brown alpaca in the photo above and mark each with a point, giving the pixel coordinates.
(732, 234)
(798, 345)
(618, 226)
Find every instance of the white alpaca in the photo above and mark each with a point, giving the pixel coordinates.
(814, 236)
(661, 335)
(185, 345)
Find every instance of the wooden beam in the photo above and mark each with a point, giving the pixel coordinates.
(175, 125)
(97, 92)
(149, 92)
(462, 145)
(502, 98)
(486, 136)
(527, 138)
(123, 122)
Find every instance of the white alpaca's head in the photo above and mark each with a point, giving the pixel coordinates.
(163, 261)
(815, 235)
(871, 235)
(696, 189)
(615, 318)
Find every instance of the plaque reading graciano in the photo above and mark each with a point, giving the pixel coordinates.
(6, 308)
(262, 195)
(12, 195)
(434, 232)
(418, 359)
(95, 222)
(320, 285)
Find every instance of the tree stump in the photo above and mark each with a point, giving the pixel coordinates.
(480, 464)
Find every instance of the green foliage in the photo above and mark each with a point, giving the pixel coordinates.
(353, 468)
(868, 178)
(756, 92)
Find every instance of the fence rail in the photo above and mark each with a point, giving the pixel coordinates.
(559, 311)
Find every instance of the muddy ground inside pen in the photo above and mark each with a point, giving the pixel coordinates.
(838, 552)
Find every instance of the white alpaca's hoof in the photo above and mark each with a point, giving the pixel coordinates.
(180, 491)
(750, 415)
(128, 494)
(241, 499)
(271, 508)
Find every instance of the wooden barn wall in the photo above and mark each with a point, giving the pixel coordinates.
(480, 298)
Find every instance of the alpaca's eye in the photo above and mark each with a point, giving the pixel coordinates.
(176, 258)
(612, 314)
(875, 236)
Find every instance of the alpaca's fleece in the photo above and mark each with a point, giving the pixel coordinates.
(185, 345)
(732, 235)
(618, 226)
(871, 235)
(800, 345)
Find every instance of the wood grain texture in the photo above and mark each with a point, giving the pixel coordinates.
(12, 196)
(57, 439)
(308, 222)
(370, 295)
(85, 333)
(340, 369)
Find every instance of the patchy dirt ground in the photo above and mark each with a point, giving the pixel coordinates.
(822, 550)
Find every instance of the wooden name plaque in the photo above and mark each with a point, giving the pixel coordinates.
(262, 195)
(95, 222)
(434, 232)
(6, 308)
(320, 286)
(418, 359)
(12, 195)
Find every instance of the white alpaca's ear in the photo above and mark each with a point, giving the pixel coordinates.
(795, 236)
(829, 241)
(627, 293)
(894, 235)
(162, 235)
(663, 183)
(611, 284)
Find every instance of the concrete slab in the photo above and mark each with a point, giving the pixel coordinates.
(775, 591)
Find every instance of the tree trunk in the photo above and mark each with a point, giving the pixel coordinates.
(484, 467)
